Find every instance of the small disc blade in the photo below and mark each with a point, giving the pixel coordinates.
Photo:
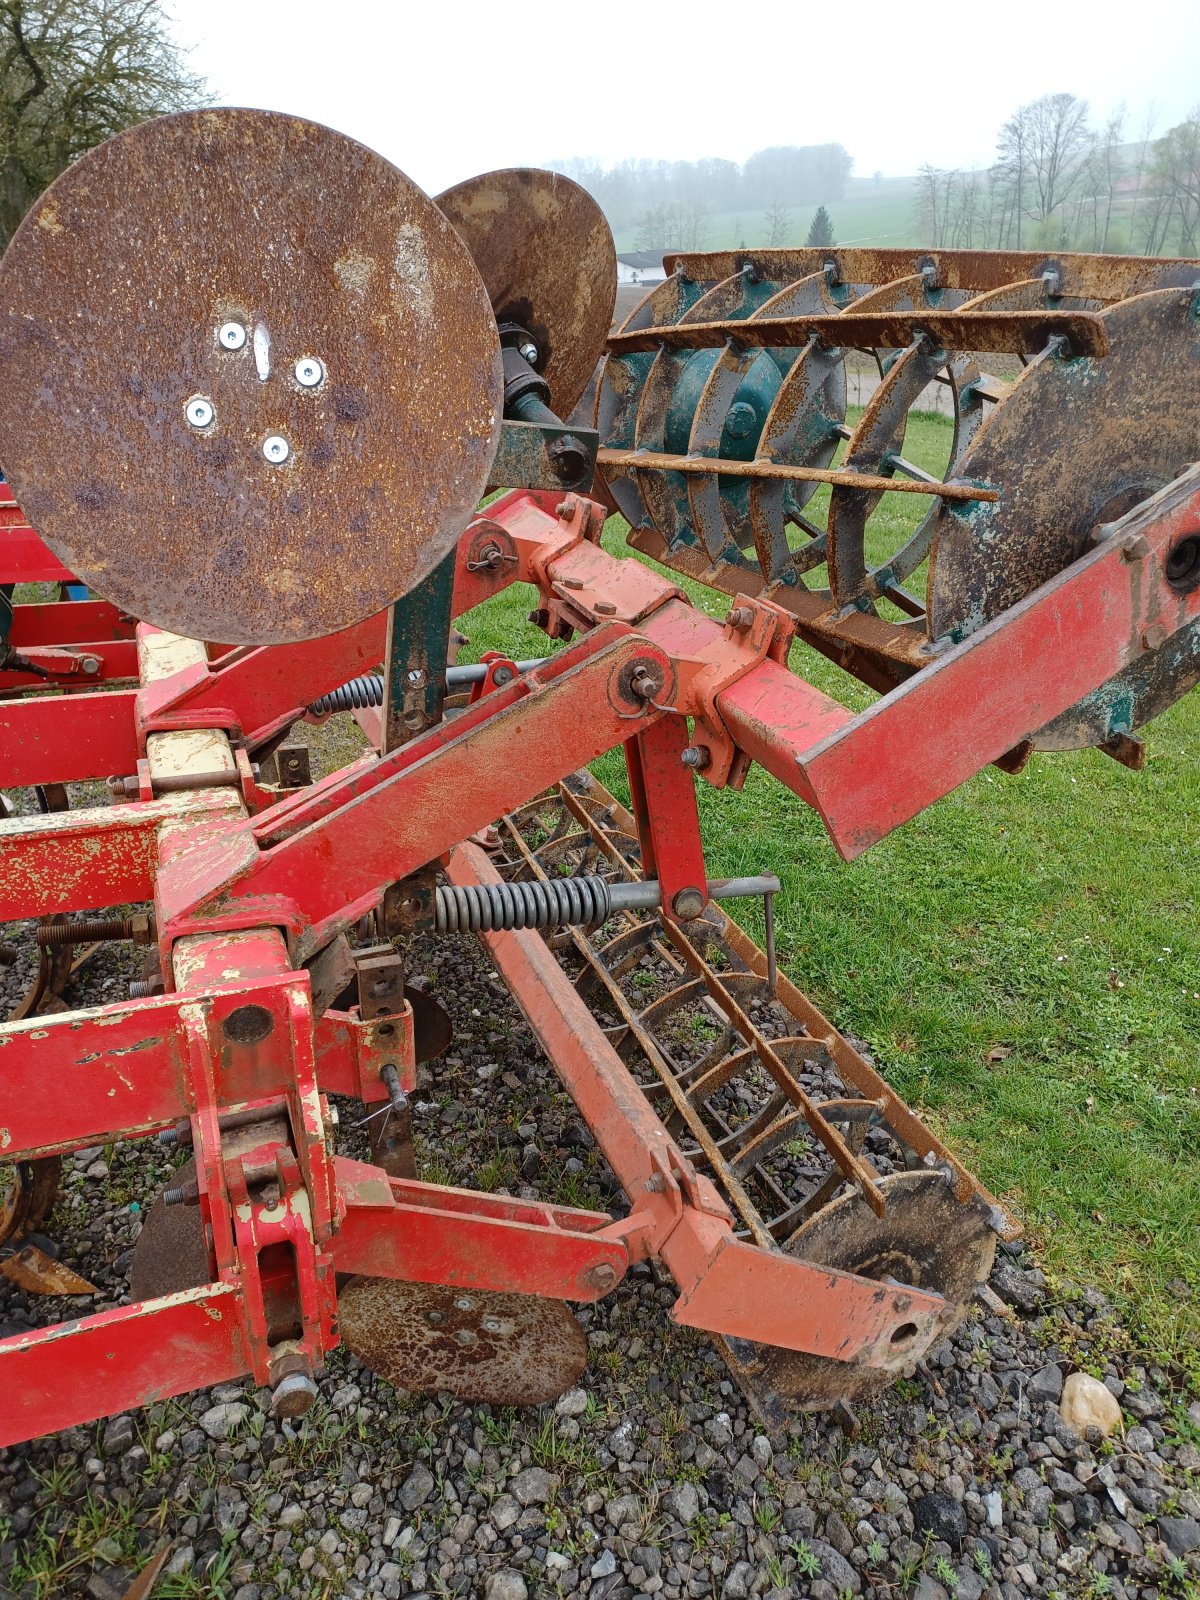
(252, 387)
(546, 254)
(498, 1349)
(926, 1239)
(170, 1253)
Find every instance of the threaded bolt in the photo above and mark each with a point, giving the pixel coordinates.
(696, 756)
(87, 931)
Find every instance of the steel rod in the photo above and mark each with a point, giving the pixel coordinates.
(840, 477)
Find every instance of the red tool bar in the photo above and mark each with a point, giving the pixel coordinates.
(119, 1071)
(59, 665)
(1011, 678)
(92, 858)
(68, 622)
(23, 556)
(68, 739)
(425, 1233)
(119, 1359)
(393, 817)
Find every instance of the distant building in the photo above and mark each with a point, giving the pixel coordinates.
(640, 267)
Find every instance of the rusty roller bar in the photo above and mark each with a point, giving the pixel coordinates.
(1006, 333)
(648, 460)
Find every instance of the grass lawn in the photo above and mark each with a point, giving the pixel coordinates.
(867, 214)
(1024, 962)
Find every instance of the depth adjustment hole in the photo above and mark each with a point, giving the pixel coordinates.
(904, 1334)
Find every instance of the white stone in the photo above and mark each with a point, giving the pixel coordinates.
(220, 1421)
(993, 1504)
(1086, 1403)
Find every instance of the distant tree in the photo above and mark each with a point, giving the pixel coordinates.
(779, 224)
(1044, 150)
(820, 230)
(73, 72)
(1176, 175)
(933, 204)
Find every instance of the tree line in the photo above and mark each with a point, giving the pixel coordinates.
(1059, 182)
(670, 204)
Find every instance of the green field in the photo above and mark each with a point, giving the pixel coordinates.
(1024, 962)
(868, 214)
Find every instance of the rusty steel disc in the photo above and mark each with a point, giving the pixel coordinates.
(927, 1239)
(546, 254)
(170, 1254)
(1076, 442)
(252, 385)
(495, 1349)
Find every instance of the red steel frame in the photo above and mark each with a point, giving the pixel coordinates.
(245, 890)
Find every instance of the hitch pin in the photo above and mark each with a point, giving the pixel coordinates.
(397, 1100)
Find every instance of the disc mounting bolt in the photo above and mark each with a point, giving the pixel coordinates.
(231, 335)
(199, 411)
(276, 449)
(310, 373)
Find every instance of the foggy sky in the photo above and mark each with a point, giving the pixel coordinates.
(445, 89)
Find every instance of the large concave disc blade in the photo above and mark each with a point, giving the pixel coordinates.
(502, 1349)
(1076, 442)
(926, 1239)
(305, 291)
(546, 254)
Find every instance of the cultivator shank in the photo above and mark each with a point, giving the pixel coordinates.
(276, 497)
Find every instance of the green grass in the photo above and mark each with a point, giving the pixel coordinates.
(1023, 959)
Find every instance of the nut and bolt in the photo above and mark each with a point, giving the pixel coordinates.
(602, 1276)
(465, 1336)
(199, 411)
(231, 335)
(415, 678)
(293, 1396)
(528, 352)
(740, 617)
(90, 665)
(292, 1387)
(1135, 548)
(605, 608)
(310, 373)
(276, 449)
(696, 756)
(1154, 637)
(464, 1303)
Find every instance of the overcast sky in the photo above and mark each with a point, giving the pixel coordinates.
(448, 88)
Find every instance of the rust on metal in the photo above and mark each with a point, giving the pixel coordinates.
(1011, 332)
(649, 460)
(32, 1269)
(545, 252)
(494, 1349)
(926, 1238)
(289, 397)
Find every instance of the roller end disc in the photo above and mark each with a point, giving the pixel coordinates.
(546, 254)
(251, 387)
(495, 1349)
(926, 1239)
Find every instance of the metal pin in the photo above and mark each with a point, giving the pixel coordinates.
(769, 924)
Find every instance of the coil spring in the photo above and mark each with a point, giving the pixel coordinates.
(559, 902)
(356, 695)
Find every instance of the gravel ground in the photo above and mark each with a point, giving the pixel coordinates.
(649, 1478)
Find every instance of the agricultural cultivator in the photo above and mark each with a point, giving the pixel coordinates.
(255, 387)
